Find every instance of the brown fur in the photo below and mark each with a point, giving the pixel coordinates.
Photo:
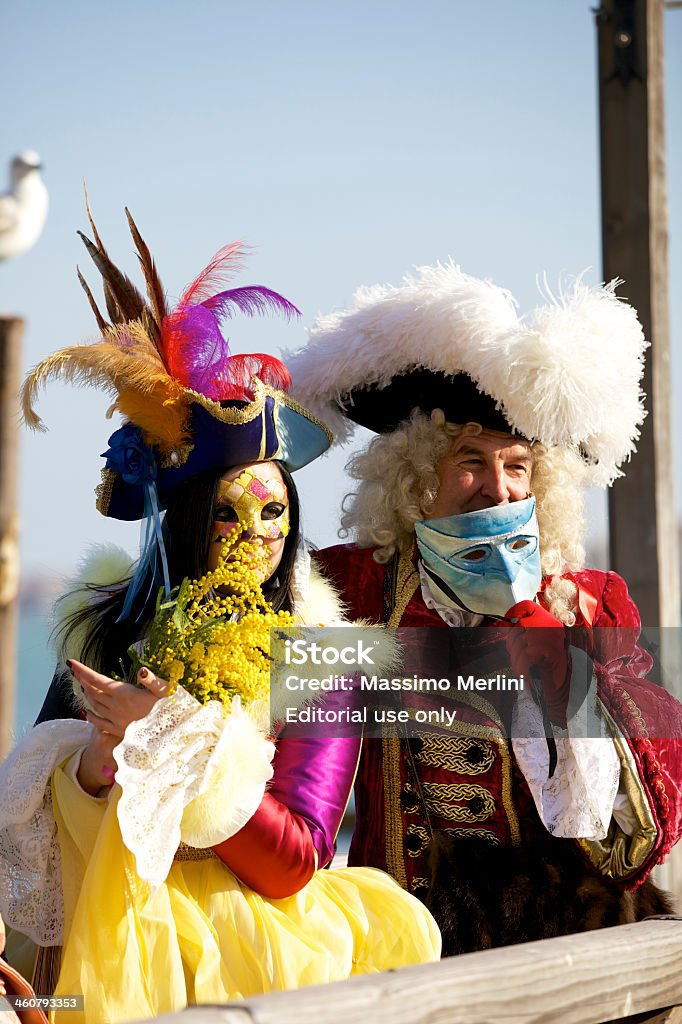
(484, 896)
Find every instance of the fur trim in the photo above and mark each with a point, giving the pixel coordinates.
(569, 375)
(322, 604)
(102, 566)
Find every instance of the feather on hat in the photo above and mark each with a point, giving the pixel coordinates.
(569, 374)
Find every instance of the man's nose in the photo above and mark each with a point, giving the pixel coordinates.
(495, 484)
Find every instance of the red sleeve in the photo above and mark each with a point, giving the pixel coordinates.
(648, 715)
(273, 853)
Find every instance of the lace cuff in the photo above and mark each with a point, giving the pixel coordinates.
(188, 772)
(30, 863)
(577, 802)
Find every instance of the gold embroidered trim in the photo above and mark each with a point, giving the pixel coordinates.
(507, 798)
(255, 408)
(395, 864)
(185, 852)
(424, 837)
(475, 700)
(441, 800)
(407, 581)
(450, 752)
(474, 833)
(635, 711)
(419, 882)
(295, 406)
(104, 490)
(233, 414)
(440, 797)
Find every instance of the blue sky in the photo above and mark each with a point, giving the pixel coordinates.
(345, 143)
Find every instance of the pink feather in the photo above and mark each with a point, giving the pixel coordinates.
(224, 265)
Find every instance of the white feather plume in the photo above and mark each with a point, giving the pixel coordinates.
(574, 377)
(569, 374)
(430, 321)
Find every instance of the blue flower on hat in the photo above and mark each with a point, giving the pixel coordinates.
(130, 457)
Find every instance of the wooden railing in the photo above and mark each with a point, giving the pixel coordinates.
(633, 973)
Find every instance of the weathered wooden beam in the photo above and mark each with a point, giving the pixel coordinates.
(11, 332)
(642, 509)
(643, 518)
(606, 975)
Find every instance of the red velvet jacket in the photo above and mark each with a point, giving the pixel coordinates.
(474, 785)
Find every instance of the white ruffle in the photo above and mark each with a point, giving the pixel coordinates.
(449, 614)
(577, 802)
(188, 772)
(30, 863)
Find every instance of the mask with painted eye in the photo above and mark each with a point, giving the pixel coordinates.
(258, 508)
(483, 561)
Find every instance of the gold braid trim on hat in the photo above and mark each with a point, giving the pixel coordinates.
(104, 491)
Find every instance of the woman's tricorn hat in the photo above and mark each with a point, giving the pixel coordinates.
(189, 405)
(567, 375)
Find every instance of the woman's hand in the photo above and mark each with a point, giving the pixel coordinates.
(98, 767)
(116, 705)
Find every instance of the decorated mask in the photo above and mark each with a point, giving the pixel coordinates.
(483, 561)
(260, 507)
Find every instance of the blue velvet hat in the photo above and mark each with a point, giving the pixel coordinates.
(188, 404)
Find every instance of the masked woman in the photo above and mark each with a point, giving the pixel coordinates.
(168, 844)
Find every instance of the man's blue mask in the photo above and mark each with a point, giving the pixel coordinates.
(485, 561)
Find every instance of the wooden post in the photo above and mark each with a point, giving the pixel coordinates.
(11, 333)
(642, 512)
(643, 521)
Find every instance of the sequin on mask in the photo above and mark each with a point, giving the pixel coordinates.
(249, 496)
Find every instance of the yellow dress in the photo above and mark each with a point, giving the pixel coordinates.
(202, 936)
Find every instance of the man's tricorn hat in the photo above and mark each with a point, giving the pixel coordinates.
(569, 374)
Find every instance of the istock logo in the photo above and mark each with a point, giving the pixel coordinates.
(298, 652)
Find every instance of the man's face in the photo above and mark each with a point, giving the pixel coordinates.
(481, 471)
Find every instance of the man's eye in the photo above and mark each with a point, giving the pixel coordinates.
(227, 514)
(518, 544)
(273, 510)
(475, 556)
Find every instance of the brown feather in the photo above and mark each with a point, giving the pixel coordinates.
(101, 322)
(128, 299)
(114, 312)
(95, 232)
(157, 298)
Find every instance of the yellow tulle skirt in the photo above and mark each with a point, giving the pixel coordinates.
(203, 937)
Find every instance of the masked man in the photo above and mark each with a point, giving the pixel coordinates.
(469, 512)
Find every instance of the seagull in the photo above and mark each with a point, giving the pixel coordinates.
(24, 208)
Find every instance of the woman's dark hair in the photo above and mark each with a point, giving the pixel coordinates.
(190, 513)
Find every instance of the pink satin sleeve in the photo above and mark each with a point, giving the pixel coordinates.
(294, 829)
